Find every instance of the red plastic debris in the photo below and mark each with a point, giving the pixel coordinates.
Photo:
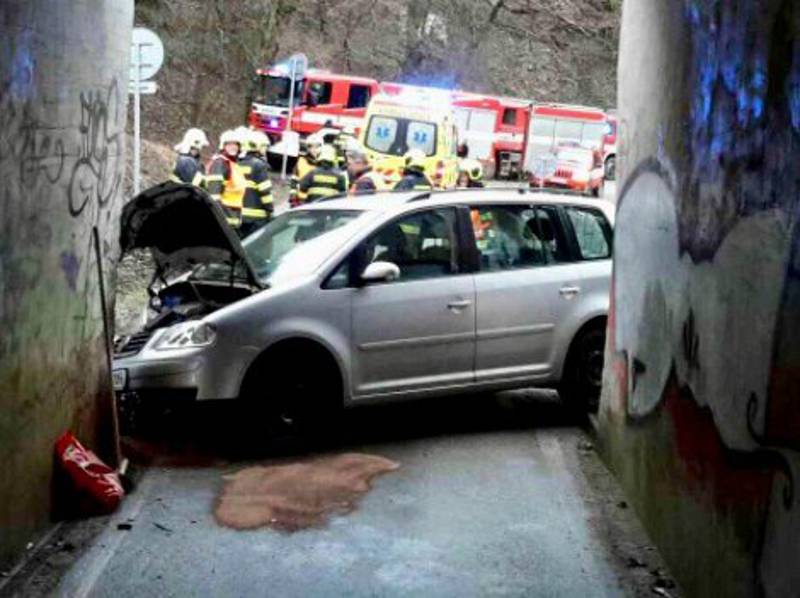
(97, 487)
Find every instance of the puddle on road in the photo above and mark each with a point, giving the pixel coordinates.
(298, 495)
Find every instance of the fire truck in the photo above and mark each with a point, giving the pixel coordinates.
(610, 147)
(494, 130)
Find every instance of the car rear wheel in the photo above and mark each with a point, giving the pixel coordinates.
(583, 372)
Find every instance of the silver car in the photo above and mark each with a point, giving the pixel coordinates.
(369, 299)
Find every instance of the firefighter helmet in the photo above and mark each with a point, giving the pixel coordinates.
(313, 145)
(192, 139)
(415, 160)
(257, 142)
(327, 155)
(473, 169)
(230, 136)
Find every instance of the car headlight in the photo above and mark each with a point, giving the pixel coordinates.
(186, 335)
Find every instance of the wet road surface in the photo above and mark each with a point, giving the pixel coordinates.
(494, 495)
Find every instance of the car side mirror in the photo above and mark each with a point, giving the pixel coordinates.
(380, 272)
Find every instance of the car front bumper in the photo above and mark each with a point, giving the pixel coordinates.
(212, 372)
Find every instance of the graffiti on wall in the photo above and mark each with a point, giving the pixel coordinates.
(707, 277)
(54, 171)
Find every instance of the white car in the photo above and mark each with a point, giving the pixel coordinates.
(369, 299)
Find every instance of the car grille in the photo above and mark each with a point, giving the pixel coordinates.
(132, 344)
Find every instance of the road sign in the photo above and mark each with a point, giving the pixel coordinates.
(147, 54)
(297, 66)
(544, 165)
(146, 87)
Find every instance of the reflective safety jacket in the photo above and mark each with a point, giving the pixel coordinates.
(226, 183)
(305, 164)
(369, 181)
(323, 181)
(189, 170)
(257, 201)
(414, 181)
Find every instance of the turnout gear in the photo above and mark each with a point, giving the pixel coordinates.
(368, 181)
(304, 165)
(470, 173)
(414, 177)
(414, 181)
(257, 200)
(414, 161)
(188, 167)
(323, 181)
(226, 181)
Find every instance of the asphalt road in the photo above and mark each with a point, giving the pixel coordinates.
(500, 495)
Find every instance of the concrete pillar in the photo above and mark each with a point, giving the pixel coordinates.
(63, 77)
(700, 414)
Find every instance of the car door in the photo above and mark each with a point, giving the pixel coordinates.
(526, 282)
(417, 332)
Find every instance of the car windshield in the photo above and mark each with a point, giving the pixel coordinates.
(575, 155)
(274, 91)
(395, 136)
(298, 241)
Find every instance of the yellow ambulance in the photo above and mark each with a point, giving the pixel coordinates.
(412, 118)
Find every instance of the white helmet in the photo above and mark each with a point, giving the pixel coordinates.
(257, 141)
(313, 144)
(192, 139)
(230, 136)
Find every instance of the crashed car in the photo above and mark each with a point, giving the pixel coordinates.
(368, 299)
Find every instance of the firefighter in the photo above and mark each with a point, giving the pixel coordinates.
(470, 173)
(226, 182)
(365, 180)
(325, 180)
(414, 177)
(305, 164)
(257, 201)
(188, 166)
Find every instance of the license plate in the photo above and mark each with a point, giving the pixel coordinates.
(119, 379)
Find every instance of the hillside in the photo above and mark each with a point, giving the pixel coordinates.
(546, 50)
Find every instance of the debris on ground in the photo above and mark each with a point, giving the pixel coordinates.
(298, 495)
(124, 526)
(163, 528)
(87, 485)
(622, 504)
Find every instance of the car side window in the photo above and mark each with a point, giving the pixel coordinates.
(422, 244)
(552, 235)
(507, 237)
(591, 231)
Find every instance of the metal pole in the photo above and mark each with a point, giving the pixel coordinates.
(136, 124)
(289, 121)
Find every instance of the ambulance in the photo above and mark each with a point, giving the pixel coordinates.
(415, 118)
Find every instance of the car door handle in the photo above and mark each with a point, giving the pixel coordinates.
(459, 305)
(569, 292)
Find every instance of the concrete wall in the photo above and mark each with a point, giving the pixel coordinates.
(700, 415)
(63, 74)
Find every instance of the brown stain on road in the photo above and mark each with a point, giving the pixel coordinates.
(298, 495)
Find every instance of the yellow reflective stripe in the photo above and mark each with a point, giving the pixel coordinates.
(198, 179)
(215, 177)
(216, 197)
(266, 200)
(265, 185)
(175, 179)
(422, 188)
(325, 178)
(323, 191)
(254, 213)
(411, 229)
(246, 169)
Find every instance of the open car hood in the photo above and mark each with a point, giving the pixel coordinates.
(184, 228)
